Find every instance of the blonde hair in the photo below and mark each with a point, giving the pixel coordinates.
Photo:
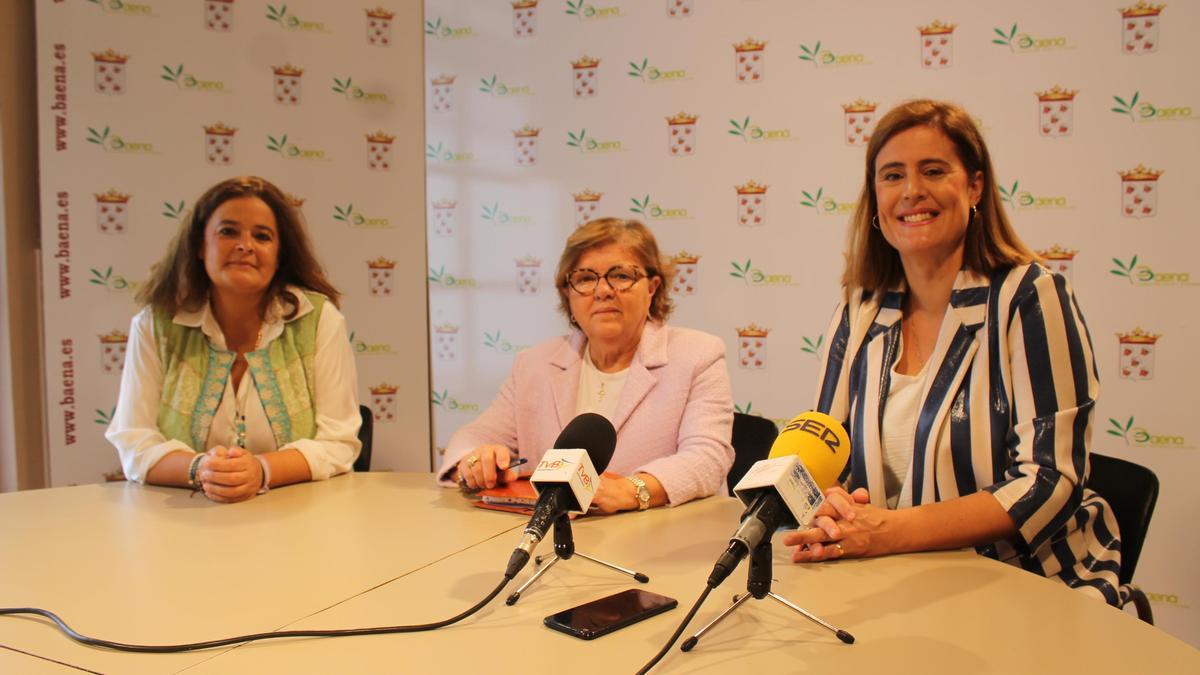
(991, 243)
(629, 233)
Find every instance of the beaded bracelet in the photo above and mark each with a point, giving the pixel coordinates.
(192, 469)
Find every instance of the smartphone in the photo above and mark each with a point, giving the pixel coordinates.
(604, 615)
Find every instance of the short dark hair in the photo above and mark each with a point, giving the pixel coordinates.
(179, 280)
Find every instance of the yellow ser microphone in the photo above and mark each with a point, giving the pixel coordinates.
(821, 443)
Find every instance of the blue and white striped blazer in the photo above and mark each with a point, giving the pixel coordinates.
(1008, 409)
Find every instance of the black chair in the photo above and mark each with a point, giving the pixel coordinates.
(365, 434)
(752, 439)
(1131, 490)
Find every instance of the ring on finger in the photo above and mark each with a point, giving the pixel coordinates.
(841, 551)
(472, 461)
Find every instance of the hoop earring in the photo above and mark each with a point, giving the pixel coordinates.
(875, 221)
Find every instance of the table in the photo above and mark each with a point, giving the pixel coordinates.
(390, 549)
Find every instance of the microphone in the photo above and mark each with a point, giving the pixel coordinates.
(566, 479)
(785, 489)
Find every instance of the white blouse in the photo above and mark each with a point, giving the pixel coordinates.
(134, 428)
(898, 433)
(599, 392)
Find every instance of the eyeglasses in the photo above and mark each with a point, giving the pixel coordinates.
(619, 278)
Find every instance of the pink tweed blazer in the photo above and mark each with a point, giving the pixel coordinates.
(673, 421)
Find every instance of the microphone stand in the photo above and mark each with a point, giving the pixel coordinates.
(758, 586)
(564, 549)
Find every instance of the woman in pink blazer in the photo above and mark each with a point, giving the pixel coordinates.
(665, 389)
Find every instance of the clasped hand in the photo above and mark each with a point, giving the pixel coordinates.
(845, 526)
(229, 474)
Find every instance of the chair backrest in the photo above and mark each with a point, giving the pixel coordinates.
(1131, 490)
(366, 433)
(752, 439)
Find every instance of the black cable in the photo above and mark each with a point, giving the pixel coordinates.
(678, 631)
(163, 649)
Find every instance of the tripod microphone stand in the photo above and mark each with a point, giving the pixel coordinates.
(758, 586)
(564, 549)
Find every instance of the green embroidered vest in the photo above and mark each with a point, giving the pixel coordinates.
(195, 372)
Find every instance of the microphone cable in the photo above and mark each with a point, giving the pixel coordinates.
(678, 631)
(224, 642)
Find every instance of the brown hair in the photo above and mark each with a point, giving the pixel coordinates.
(630, 233)
(991, 243)
(179, 280)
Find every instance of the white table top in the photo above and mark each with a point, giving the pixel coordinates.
(383, 549)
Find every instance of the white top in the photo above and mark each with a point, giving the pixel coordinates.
(134, 428)
(598, 392)
(898, 433)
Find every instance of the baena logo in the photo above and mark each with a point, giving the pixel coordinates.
(441, 278)
(585, 12)
(443, 31)
(439, 153)
(288, 21)
(752, 276)
(1024, 43)
(346, 214)
(288, 150)
(1143, 275)
(1140, 437)
(750, 133)
(587, 144)
(188, 82)
(825, 58)
(498, 343)
(826, 206)
(645, 208)
(494, 87)
(126, 8)
(1145, 111)
(445, 401)
(353, 92)
(364, 348)
(497, 216)
(651, 74)
(110, 142)
(1024, 199)
(112, 282)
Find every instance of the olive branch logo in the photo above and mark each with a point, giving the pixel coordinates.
(173, 76)
(640, 207)
(740, 129)
(346, 88)
(1126, 108)
(1124, 270)
(105, 417)
(107, 279)
(1120, 431)
(488, 86)
(810, 55)
(174, 211)
(639, 70)
(280, 16)
(576, 8)
(439, 399)
(1005, 39)
(577, 140)
(496, 342)
(433, 151)
(437, 275)
(748, 410)
(1008, 195)
(100, 138)
(433, 27)
(741, 271)
(491, 212)
(343, 214)
(811, 347)
(810, 200)
(277, 145)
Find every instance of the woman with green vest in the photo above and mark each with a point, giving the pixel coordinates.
(239, 376)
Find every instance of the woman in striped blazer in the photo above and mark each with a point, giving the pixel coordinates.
(963, 371)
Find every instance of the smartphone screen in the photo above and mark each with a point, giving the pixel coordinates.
(604, 615)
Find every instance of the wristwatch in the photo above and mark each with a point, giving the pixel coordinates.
(643, 493)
